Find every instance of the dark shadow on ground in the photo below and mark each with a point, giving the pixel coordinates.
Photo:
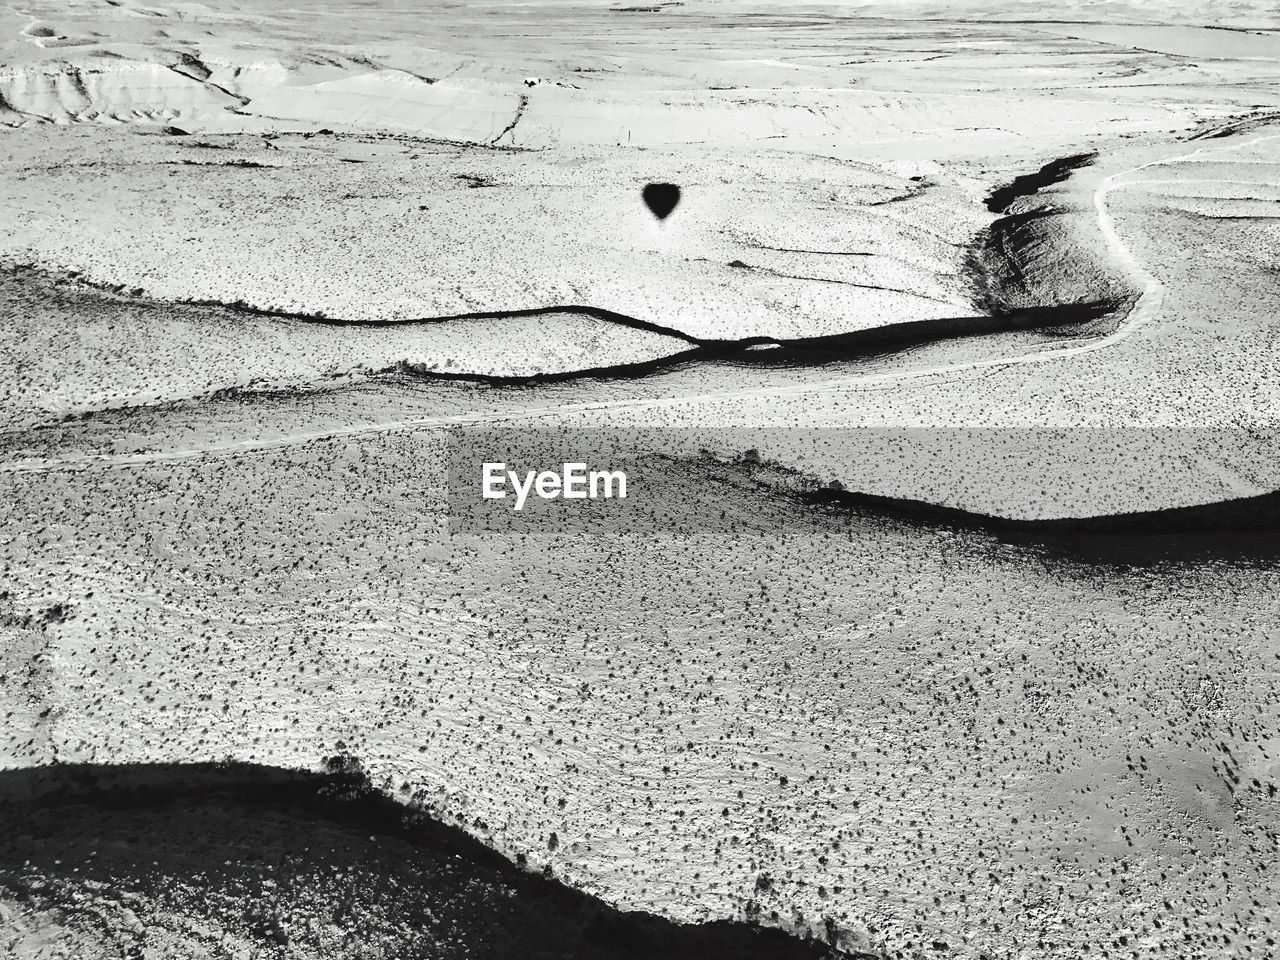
(273, 854)
(1240, 531)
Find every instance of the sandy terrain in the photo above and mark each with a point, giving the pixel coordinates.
(825, 695)
(261, 265)
(123, 351)
(378, 229)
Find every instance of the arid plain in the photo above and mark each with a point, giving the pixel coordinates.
(975, 654)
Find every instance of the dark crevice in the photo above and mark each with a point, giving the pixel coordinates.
(893, 337)
(193, 67)
(819, 253)
(1031, 259)
(813, 351)
(239, 163)
(510, 127)
(746, 351)
(190, 75)
(1239, 217)
(617, 371)
(430, 81)
(77, 82)
(908, 194)
(1225, 128)
(1055, 171)
(74, 282)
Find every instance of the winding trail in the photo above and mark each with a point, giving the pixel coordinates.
(1143, 311)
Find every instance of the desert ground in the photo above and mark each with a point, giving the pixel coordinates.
(944, 623)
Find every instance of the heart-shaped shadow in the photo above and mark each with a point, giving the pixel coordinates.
(661, 198)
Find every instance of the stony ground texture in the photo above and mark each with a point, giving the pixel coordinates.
(223, 473)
